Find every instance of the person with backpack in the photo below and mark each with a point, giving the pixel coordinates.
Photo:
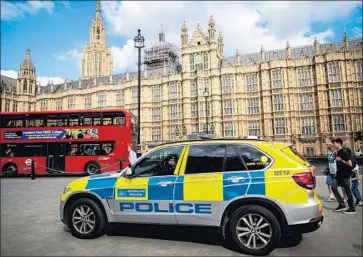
(345, 165)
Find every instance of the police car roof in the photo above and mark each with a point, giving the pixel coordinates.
(215, 139)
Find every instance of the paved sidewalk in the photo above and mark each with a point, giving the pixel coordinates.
(30, 226)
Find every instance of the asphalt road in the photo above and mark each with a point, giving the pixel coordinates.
(30, 226)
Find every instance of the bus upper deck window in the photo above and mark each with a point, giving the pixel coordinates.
(107, 121)
(96, 121)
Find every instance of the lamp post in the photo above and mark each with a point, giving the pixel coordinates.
(206, 111)
(361, 129)
(139, 43)
(2, 86)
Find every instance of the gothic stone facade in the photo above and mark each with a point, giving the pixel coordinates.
(304, 95)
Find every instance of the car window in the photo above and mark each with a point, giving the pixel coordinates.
(253, 158)
(233, 161)
(205, 158)
(162, 162)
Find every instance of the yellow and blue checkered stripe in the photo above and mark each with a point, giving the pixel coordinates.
(196, 187)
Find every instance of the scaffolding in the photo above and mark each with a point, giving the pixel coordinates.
(161, 53)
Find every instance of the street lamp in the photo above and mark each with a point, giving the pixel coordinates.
(206, 94)
(139, 43)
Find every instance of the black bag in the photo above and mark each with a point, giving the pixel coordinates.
(326, 172)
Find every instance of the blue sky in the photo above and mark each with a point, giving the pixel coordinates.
(56, 31)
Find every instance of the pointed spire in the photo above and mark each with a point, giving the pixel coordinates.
(98, 10)
(288, 49)
(238, 58)
(184, 27)
(316, 46)
(212, 29)
(262, 53)
(220, 37)
(98, 6)
(211, 21)
(198, 26)
(184, 35)
(346, 41)
(27, 53)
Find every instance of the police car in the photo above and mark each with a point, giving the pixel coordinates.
(255, 191)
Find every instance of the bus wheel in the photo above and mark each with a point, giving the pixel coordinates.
(10, 169)
(92, 168)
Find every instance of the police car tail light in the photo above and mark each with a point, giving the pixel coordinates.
(305, 180)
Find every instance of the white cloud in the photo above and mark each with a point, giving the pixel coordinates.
(17, 10)
(357, 32)
(73, 55)
(9, 73)
(42, 80)
(240, 23)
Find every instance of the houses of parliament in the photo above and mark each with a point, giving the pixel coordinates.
(304, 95)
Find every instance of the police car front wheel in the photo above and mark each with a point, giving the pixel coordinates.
(255, 230)
(86, 219)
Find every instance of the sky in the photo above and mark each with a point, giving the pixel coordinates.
(57, 31)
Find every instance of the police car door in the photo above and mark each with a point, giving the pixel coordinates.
(199, 188)
(148, 197)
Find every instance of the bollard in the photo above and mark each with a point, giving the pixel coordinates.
(33, 170)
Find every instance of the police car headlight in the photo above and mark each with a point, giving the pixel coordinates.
(66, 189)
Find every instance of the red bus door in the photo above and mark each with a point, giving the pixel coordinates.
(56, 160)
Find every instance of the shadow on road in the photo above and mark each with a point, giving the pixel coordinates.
(209, 236)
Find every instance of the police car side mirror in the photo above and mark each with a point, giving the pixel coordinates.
(128, 172)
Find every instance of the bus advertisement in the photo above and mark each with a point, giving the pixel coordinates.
(94, 141)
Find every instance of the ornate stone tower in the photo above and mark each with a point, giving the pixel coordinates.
(201, 57)
(26, 84)
(97, 58)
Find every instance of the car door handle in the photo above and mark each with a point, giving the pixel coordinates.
(165, 183)
(235, 179)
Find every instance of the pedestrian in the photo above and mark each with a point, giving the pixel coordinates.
(355, 186)
(331, 171)
(132, 155)
(345, 166)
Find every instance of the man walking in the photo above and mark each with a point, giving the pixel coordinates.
(345, 166)
(132, 155)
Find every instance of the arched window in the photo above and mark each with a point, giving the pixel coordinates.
(98, 35)
(25, 86)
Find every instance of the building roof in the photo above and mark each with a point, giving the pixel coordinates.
(9, 84)
(296, 53)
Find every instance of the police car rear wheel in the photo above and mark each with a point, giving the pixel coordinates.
(86, 219)
(255, 230)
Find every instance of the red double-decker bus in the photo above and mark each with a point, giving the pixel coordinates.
(94, 141)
